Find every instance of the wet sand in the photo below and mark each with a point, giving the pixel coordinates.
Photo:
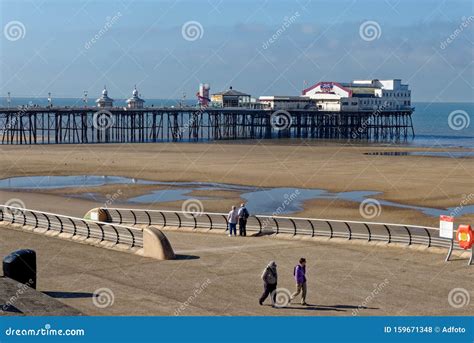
(438, 182)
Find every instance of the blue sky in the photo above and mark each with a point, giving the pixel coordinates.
(141, 42)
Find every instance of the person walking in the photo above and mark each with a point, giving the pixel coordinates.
(270, 280)
(300, 278)
(232, 218)
(243, 216)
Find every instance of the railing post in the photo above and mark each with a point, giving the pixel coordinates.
(350, 231)
(294, 226)
(49, 221)
(133, 237)
(389, 234)
(312, 227)
(276, 223)
(259, 224)
(164, 218)
(429, 237)
(88, 229)
(102, 231)
(116, 232)
(60, 223)
(195, 221)
(36, 219)
(120, 216)
(368, 230)
(24, 217)
(74, 225)
(179, 219)
(149, 218)
(330, 228)
(409, 235)
(226, 222)
(210, 221)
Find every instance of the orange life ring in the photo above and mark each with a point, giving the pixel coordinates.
(465, 236)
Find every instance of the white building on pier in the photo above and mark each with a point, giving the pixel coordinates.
(355, 96)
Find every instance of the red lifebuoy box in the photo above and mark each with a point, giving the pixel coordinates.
(465, 236)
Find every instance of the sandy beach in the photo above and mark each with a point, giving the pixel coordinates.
(428, 181)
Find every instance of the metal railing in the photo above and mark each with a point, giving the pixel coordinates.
(110, 232)
(369, 231)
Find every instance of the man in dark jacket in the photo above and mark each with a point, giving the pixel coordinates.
(243, 216)
(270, 279)
(300, 278)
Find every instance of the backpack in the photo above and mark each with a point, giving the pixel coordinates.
(245, 213)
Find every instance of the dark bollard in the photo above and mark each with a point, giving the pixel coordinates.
(20, 266)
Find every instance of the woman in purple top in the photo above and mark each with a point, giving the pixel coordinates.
(300, 278)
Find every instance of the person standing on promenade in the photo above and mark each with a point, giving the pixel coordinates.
(232, 218)
(243, 216)
(300, 278)
(270, 280)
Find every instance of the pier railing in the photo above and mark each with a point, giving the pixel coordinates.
(369, 231)
(110, 232)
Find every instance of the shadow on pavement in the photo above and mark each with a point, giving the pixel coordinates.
(10, 308)
(262, 234)
(69, 295)
(336, 308)
(186, 257)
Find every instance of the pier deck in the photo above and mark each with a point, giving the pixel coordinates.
(62, 125)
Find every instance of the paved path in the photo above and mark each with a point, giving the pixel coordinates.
(220, 275)
(19, 299)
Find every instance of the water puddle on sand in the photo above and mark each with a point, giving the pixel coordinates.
(452, 154)
(259, 200)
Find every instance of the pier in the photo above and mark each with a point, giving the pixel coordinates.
(70, 125)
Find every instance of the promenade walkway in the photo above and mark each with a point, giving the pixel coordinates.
(219, 275)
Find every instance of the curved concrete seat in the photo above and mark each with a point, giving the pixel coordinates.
(156, 245)
(98, 214)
